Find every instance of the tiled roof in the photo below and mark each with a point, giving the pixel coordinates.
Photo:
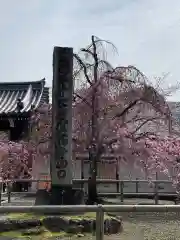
(30, 93)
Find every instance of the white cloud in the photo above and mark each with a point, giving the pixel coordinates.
(146, 33)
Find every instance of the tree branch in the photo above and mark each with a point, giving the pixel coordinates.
(84, 68)
(83, 99)
(126, 109)
(144, 135)
(146, 121)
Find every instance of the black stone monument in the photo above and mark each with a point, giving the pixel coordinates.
(62, 191)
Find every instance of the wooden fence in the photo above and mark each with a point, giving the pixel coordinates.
(119, 187)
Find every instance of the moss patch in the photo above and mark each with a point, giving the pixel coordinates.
(42, 233)
(55, 226)
(26, 216)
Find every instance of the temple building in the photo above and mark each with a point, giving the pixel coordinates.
(17, 99)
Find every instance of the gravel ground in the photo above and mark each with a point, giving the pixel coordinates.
(149, 226)
(136, 201)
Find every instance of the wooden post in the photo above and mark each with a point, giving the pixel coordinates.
(122, 191)
(156, 186)
(82, 172)
(156, 193)
(100, 225)
(117, 177)
(1, 189)
(9, 188)
(137, 185)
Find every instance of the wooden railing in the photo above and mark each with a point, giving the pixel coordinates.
(119, 187)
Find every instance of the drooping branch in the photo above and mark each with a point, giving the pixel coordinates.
(83, 99)
(84, 67)
(131, 105)
(144, 122)
(100, 42)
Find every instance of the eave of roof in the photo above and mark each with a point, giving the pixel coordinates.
(30, 93)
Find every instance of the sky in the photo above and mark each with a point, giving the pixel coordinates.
(145, 32)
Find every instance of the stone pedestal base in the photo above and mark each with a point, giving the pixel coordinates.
(60, 195)
(42, 197)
